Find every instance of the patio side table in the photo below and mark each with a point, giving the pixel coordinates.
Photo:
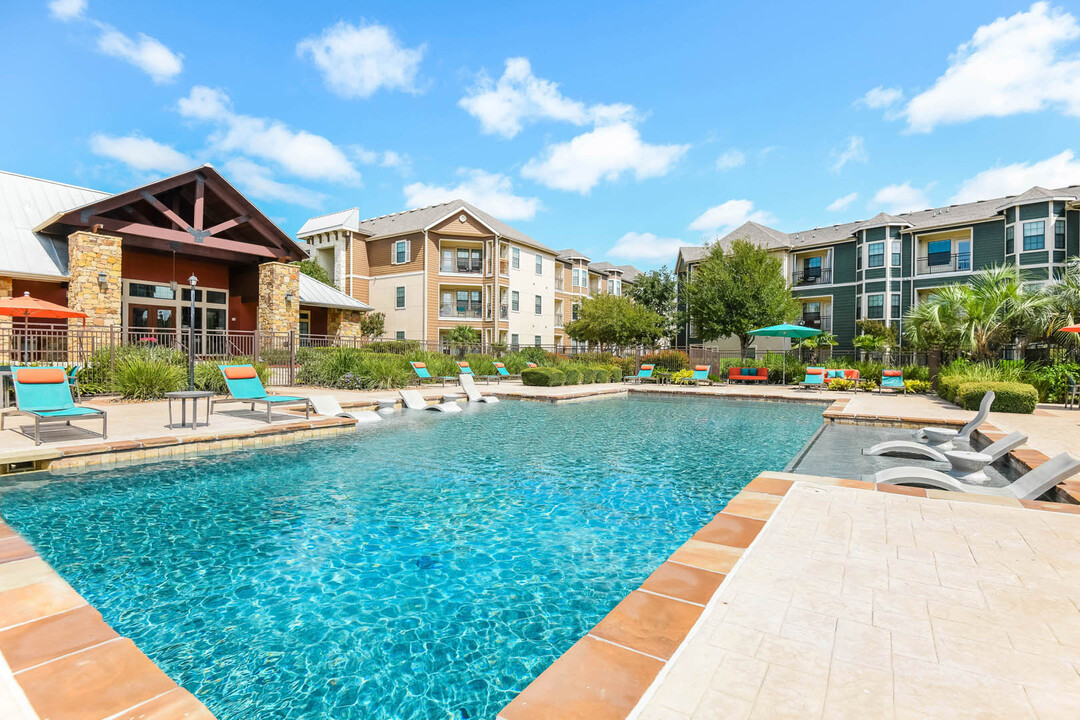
(194, 396)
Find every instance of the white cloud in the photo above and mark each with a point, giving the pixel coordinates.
(140, 153)
(731, 159)
(386, 158)
(880, 97)
(358, 60)
(645, 246)
(604, 153)
(504, 106)
(492, 192)
(1013, 65)
(258, 182)
(145, 53)
(842, 203)
(1057, 171)
(67, 9)
(299, 152)
(895, 199)
(854, 151)
(727, 216)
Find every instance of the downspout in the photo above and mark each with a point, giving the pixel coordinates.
(424, 325)
(495, 307)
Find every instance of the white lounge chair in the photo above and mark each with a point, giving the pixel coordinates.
(1030, 486)
(469, 386)
(948, 438)
(909, 448)
(415, 401)
(330, 407)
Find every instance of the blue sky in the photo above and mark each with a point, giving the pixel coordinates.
(623, 130)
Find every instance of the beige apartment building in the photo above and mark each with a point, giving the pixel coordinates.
(435, 268)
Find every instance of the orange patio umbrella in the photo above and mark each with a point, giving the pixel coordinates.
(1071, 328)
(28, 307)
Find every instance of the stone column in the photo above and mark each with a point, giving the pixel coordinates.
(276, 282)
(344, 324)
(90, 255)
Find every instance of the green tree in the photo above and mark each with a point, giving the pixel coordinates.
(816, 343)
(462, 338)
(1063, 294)
(981, 316)
(373, 324)
(313, 269)
(656, 290)
(734, 292)
(615, 320)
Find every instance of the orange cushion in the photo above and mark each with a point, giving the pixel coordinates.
(646, 367)
(499, 365)
(418, 365)
(893, 373)
(701, 367)
(40, 376)
(763, 372)
(851, 374)
(815, 371)
(240, 373)
(463, 364)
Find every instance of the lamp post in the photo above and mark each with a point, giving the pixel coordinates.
(192, 281)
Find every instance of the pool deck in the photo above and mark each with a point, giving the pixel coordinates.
(816, 598)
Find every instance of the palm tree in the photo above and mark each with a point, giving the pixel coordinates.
(1064, 296)
(981, 316)
(816, 343)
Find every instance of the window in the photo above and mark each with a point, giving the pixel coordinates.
(1059, 235)
(514, 343)
(611, 287)
(577, 277)
(1009, 249)
(515, 255)
(539, 264)
(401, 252)
(462, 260)
(963, 255)
(574, 311)
(400, 335)
(894, 312)
(539, 304)
(1035, 235)
(939, 252)
(875, 255)
(400, 299)
(896, 253)
(812, 268)
(158, 292)
(515, 301)
(875, 306)
(536, 340)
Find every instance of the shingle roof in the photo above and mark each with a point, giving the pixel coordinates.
(1035, 194)
(882, 220)
(419, 218)
(319, 294)
(630, 273)
(340, 220)
(604, 267)
(758, 234)
(570, 254)
(692, 253)
(25, 203)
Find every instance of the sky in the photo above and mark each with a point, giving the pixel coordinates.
(622, 130)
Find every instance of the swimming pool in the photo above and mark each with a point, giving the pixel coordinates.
(428, 567)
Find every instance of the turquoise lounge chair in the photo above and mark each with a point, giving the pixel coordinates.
(44, 394)
(464, 369)
(643, 374)
(422, 374)
(73, 380)
(500, 373)
(701, 375)
(892, 379)
(246, 387)
(815, 377)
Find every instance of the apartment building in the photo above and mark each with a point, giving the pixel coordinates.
(878, 268)
(432, 269)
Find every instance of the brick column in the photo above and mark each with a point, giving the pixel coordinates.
(275, 314)
(89, 255)
(344, 324)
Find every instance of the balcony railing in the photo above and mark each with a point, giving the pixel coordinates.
(471, 267)
(504, 266)
(558, 320)
(558, 283)
(461, 310)
(504, 311)
(943, 263)
(817, 321)
(812, 276)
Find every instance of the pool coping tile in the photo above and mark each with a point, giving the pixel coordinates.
(651, 624)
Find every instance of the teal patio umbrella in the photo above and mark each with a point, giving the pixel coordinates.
(789, 331)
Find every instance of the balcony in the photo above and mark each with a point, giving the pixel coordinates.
(934, 263)
(463, 311)
(558, 320)
(504, 311)
(558, 283)
(817, 321)
(504, 266)
(811, 276)
(469, 266)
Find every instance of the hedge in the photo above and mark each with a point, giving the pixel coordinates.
(573, 375)
(543, 376)
(1011, 397)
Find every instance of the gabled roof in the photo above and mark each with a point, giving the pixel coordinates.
(692, 253)
(882, 220)
(630, 273)
(1034, 195)
(319, 294)
(419, 219)
(758, 234)
(568, 254)
(604, 267)
(26, 202)
(340, 220)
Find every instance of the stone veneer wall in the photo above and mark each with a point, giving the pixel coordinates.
(343, 323)
(90, 254)
(276, 315)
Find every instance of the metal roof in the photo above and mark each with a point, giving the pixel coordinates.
(340, 220)
(26, 202)
(319, 294)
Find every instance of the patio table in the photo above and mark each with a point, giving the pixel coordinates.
(194, 396)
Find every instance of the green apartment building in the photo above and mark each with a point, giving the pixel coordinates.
(878, 268)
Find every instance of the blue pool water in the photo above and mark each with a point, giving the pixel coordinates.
(428, 567)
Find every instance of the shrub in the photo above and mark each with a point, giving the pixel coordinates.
(868, 385)
(916, 372)
(681, 376)
(917, 386)
(400, 347)
(615, 373)
(537, 355)
(208, 376)
(543, 377)
(139, 378)
(1013, 397)
(1052, 381)
(602, 374)
(379, 371)
(841, 384)
(572, 373)
(481, 364)
(588, 374)
(670, 360)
